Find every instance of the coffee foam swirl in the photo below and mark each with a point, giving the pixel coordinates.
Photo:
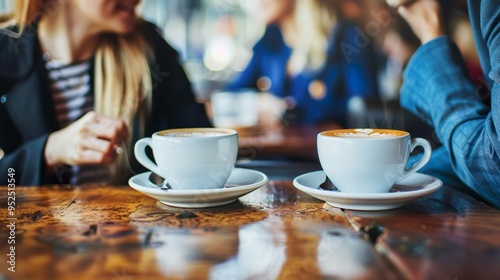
(193, 134)
(366, 133)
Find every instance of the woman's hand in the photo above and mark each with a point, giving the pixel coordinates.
(424, 17)
(93, 139)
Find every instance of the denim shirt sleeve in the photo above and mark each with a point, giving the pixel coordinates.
(436, 88)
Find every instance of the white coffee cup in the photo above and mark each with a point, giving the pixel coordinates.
(234, 109)
(368, 160)
(191, 158)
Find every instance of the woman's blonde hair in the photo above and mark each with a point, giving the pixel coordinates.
(315, 20)
(122, 79)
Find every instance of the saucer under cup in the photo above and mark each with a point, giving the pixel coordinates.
(240, 182)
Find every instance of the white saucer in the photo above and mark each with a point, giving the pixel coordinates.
(411, 188)
(240, 182)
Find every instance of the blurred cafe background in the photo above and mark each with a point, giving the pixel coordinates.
(215, 40)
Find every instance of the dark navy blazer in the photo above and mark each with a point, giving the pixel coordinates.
(27, 113)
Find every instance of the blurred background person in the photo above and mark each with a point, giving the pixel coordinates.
(354, 10)
(460, 30)
(81, 80)
(309, 59)
(398, 45)
(394, 43)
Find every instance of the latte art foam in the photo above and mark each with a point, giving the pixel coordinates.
(366, 133)
(193, 134)
(374, 134)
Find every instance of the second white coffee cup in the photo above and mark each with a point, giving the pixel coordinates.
(192, 158)
(368, 160)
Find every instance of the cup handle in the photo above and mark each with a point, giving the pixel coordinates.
(423, 161)
(142, 158)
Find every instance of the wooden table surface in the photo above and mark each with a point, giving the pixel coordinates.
(275, 232)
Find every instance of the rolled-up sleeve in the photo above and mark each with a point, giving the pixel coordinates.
(437, 88)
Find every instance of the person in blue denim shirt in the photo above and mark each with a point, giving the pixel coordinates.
(315, 66)
(436, 88)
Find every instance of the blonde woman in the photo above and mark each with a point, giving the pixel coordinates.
(311, 58)
(79, 81)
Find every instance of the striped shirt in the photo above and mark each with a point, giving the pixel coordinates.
(73, 98)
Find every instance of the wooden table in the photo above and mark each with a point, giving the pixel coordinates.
(276, 232)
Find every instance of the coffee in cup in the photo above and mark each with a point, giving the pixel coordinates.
(191, 158)
(368, 160)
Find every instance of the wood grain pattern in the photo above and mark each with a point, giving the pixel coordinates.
(446, 235)
(105, 232)
(276, 232)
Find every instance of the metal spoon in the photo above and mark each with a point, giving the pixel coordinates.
(327, 185)
(159, 181)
